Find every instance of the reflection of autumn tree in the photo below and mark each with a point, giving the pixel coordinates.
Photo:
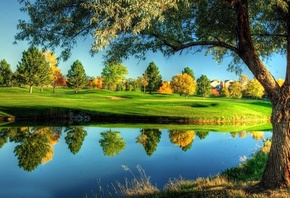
(112, 143)
(182, 138)
(74, 138)
(149, 138)
(243, 134)
(53, 135)
(33, 147)
(201, 134)
(257, 135)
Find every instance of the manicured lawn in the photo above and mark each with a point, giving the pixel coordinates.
(18, 102)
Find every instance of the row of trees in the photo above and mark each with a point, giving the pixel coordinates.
(35, 144)
(38, 68)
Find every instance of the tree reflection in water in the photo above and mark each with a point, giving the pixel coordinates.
(182, 138)
(112, 143)
(149, 139)
(75, 138)
(35, 144)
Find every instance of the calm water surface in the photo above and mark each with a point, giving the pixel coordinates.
(75, 162)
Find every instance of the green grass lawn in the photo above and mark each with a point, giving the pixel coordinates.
(18, 102)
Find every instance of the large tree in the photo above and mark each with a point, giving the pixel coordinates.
(153, 76)
(203, 86)
(33, 69)
(76, 76)
(246, 30)
(113, 73)
(5, 73)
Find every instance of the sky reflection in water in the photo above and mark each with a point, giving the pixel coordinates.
(76, 158)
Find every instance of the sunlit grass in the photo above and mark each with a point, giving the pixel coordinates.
(17, 102)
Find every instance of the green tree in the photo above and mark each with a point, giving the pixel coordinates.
(149, 139)
(255, 89)
(203, 86)
(183, 84)
(235, 90)
(154, 78)
(74, 138)
(5, 73)
(188, 71)
(247, 31)
(33, 68)
(76, 76)
(201, 134)
(112, 143)
(113, 73)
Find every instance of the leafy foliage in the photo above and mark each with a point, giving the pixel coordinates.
(181, 138)
(203, 86)
(165, 88)
(75, 138)
(188, 71)
(112, 74)
(76, 76)
(33, 68)
(255, 89)
(235, 90)
(153, 77)
(183, 84)
(112, 143)
(149, 139)
(5, 73)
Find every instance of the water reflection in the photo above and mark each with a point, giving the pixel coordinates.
(34, 145)
(149, 139)
(112, 144)
(75, 138)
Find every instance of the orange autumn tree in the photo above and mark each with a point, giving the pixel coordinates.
(165, 88)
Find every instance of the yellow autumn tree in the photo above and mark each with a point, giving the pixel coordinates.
(255, 89)
(165, 88)
(183, 84)
(56, 75)
(182, 138)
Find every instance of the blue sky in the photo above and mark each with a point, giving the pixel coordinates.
(168, 67)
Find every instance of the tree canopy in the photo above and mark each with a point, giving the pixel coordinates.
(33, 69)
(76, 76)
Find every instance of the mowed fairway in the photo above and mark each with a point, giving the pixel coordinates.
(18, 102)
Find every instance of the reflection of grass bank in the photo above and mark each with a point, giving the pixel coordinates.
(234, 182)
(149, 107)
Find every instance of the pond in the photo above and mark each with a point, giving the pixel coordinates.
(77, 161)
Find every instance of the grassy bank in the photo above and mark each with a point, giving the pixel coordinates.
(235, 182)
(19, 103)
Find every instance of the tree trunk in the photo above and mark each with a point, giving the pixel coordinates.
(277, 171)
(30, 89)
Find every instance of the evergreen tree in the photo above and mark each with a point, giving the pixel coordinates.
(153, 77)
(203, 86)
(188, 71)
(5, 73)
(76, 76)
